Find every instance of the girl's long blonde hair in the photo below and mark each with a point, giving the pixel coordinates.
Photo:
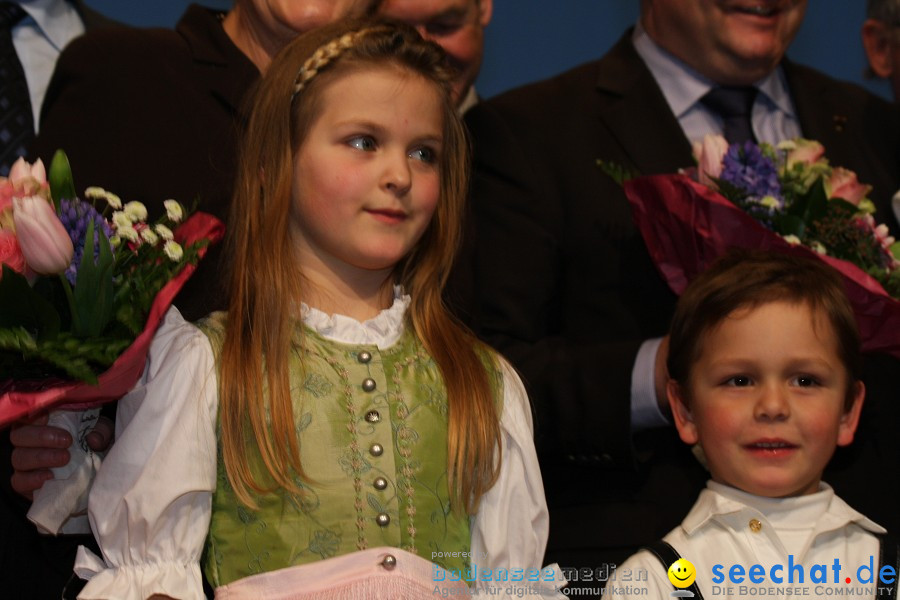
(266, 283)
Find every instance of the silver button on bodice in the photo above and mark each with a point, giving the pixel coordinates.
(373, 416)
(368, 384)
(376, 449)
(364, 357)
(380, 483)
(383, 519)
(389, 562)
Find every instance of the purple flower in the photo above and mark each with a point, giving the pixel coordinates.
(75, 216)
(747, 168)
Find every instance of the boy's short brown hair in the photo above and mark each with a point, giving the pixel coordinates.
(747, 279)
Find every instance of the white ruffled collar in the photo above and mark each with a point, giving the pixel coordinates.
(383, 330)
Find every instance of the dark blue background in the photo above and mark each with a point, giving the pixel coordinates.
(532, 39)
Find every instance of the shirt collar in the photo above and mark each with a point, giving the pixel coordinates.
(57, 19)
(683, 87)
(727, 505)
(468, 102)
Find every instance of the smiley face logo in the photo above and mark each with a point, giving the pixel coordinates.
(682, 573)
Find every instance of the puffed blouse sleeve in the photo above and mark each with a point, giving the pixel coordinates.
(510, 529)
(150, 504)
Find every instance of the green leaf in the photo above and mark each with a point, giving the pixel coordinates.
(838, 207)
(60, 176)
(92, 298)
(790, 225)
(812, 205)
(618, 173)
(22, 306)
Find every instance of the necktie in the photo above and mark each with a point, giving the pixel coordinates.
(735, 106)
(16, 118)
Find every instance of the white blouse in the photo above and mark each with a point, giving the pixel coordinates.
(150, 503)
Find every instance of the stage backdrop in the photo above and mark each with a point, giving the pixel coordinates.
(532, 39)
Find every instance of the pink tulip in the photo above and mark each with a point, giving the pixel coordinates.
(709, 154)
(26, 178)
(807, 152)
(44, 241)
(843, 184)
(10, 252)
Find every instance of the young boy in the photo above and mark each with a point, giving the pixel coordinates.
(764, 365)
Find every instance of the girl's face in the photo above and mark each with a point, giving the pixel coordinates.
(366, 179)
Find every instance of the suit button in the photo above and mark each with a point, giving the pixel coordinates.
(373, 416)
(376, 449)
(368, 384)
(383, 519)
(380, 483)
(364, 357)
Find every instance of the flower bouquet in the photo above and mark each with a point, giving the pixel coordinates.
(84, 285)
(786, 198)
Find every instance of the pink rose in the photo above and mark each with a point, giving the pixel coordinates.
(709, 154)
(807, 152)
(42, 237)
(843, 184)
(10, 252)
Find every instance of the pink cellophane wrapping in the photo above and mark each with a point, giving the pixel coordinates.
(21, 399)
(686, 226)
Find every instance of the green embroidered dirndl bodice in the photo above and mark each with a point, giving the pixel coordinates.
(372, 426)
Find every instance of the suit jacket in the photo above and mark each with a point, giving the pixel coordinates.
(558, 277)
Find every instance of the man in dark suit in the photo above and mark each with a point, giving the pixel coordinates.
(560, 281)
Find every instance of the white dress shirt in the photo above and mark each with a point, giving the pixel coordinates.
(727, 526)
(39, 38)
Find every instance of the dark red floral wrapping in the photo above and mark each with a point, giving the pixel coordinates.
(21, 399)
(686, 226)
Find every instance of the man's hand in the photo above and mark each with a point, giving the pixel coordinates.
(38, 447)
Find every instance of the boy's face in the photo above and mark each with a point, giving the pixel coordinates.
(766, 400)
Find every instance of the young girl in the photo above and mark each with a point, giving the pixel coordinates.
(335, 433)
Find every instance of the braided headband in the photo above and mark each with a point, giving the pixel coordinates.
(323, 55)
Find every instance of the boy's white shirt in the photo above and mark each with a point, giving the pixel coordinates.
(150, 503)
(815, 529)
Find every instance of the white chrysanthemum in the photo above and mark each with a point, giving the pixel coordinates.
(149, 236)
(164, 232)
(792, 239)
(121, 220)
(173, 250)
(136, 211)
(769, 202)
(819, 248)
(113, 201)
(95, 193)
(787, 145)
(128, 233)
(174, 210)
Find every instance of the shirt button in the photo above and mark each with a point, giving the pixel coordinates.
(368, 384)
(755, 526)
(383, 519)
(372, 416)
(380, 483)
(389, 562)
(364, 357)
(376, 449)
